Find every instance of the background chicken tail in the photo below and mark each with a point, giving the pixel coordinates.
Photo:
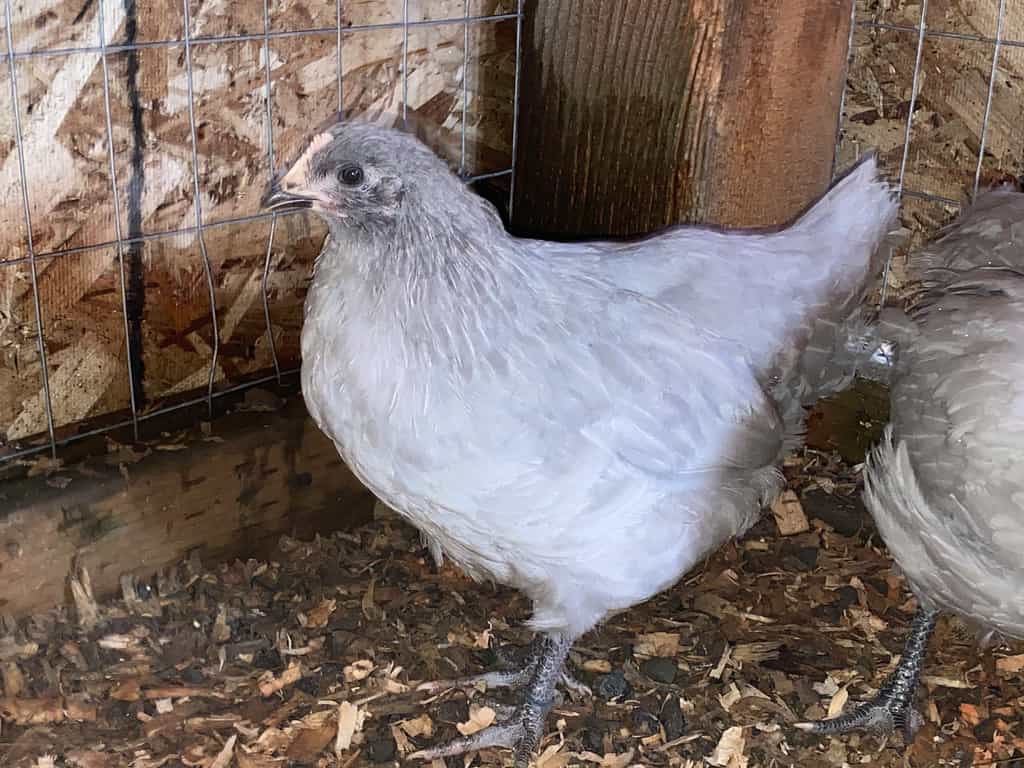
(981, 253)
(978, 252)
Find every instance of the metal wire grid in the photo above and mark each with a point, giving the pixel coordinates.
(188, 42)
(922, 32)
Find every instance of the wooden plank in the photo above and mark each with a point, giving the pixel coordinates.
(773, 140)
(233, 493)
(643, 113)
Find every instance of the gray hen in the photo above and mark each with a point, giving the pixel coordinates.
(946, 484)
(583, 422)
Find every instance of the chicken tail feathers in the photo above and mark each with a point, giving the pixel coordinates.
(852, 226)
(856, 213)
(856, 218)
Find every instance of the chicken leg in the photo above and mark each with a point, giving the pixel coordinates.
(511, 678)
(520, 732)
(893, 706)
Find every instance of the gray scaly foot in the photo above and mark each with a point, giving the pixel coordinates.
(893, 707)
(523, 730)
(512, 678)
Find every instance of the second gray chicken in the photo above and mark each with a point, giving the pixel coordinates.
(946, 484)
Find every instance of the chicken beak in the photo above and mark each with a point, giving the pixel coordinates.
(277, 198)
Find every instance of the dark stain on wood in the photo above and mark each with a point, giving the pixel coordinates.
(639, 114)
(84, 10)
(187, 483)
(135, 283)
(138, 525)
(603, 84)
(84, 526)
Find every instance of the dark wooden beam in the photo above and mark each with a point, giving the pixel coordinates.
(637, 114)
(232, 492)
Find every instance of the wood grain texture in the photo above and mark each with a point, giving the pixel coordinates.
(637, 114)
(777, 111)
(261, 476)
(605, 89)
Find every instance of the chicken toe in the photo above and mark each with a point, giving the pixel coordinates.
(521, 732)
(516, 677)
(893, 707)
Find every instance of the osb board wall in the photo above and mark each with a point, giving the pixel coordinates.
(61, 105)
(950, 109)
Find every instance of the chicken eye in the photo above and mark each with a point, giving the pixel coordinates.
(351, 175)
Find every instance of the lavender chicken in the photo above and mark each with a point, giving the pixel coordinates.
(946, 484)
(583, 422)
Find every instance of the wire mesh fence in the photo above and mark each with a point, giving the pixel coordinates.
(931, 85)
(114, 35)
(934, 87)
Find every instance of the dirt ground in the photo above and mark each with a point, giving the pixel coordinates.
(313, 658)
